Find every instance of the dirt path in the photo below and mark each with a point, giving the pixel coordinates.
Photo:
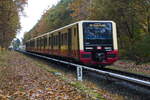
(21, 79)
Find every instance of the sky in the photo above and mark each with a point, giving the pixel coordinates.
(33, 12)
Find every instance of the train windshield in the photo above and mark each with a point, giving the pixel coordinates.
(97, 33)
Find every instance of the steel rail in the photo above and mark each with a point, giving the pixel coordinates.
(118, 76)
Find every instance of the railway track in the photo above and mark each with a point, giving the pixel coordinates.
(141, 80)
(138, 76)
(137, 79)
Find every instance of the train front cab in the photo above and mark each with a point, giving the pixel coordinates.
(98, 49)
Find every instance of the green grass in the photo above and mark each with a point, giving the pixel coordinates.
(85, 89)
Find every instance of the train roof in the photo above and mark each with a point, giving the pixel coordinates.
(71, 25)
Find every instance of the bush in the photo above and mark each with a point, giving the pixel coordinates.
(140, 50)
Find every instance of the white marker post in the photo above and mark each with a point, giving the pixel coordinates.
(79, 73)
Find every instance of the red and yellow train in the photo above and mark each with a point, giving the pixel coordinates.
(88, 42)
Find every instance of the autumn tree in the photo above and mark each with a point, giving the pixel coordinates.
(131, 16)
(80, 9)
(9, 20)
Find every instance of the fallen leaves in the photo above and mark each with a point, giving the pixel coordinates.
(130, 66)
(23, 80)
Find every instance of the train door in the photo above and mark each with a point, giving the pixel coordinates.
(69, 42)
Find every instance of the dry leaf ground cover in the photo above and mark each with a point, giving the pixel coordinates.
(130, 66)
(22, 78)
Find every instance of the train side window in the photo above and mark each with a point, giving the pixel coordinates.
(57, 40)
(36, 43)
(75, 31)
(45, 42)
(49, 41)
(32, 43)
(54, 40)
(66, 38)
(61, 39)
(39, 42)
(42, 41)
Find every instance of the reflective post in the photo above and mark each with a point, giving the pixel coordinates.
(79, 73)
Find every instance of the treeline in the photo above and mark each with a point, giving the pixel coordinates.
(132, 18)
(9, 20)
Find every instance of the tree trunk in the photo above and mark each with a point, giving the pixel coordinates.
(3, 41)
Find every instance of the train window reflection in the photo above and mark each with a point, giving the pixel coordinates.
(97, 30)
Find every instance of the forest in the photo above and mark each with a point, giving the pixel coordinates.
(132, 18)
